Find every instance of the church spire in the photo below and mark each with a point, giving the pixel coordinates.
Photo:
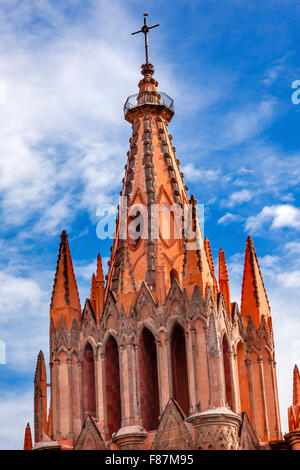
(27, 438)
(65, 298)
(153, 182)
(254, 301)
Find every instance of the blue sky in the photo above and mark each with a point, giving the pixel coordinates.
(66, 69)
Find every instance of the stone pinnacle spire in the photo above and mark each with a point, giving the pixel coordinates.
(296, 387)
(224, 280)
(27, 438)
(40, 398)
(65, 298)
(254, 301)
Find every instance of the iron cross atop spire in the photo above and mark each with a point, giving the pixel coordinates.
(145, 29)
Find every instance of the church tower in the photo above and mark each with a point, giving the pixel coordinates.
(159, 358)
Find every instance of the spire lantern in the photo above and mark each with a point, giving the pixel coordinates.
(148, 100)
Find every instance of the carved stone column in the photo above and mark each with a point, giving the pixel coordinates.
(237, 395)
(96, 385)
(272, 364)
(163, 371)
(234, 381)
(69, 366)
(52, 399)
(168, 346)
(57, 431)
(263, 394)
(122, 353)
(191, 370)
(80, 390)
(132, 434)
(220, 381)
(250, 382)
(100, 387)
(132, 385)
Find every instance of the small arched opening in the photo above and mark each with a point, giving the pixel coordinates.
(149, 394)
(179, 368)
(88, 382)
(113, 394)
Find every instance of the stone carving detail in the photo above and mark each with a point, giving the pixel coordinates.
(216, 436)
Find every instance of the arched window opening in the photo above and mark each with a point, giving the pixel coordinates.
(179, 368)
(227, 373)
(149, 394)
(88, 382)
(113, 394)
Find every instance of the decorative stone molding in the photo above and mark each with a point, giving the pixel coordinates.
(216, 428)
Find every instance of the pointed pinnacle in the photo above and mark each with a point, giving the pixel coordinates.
(296, 386)
(223, 273)
(27, 438)
(93, 288)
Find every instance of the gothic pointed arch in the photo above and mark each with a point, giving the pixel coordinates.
(112, 386)
(148, 380)
(179, 368)
(88, 382)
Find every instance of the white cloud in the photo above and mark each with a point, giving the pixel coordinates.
(290, 279)
(238, 197)
(284, 215)
(244, 124)
(16, 410)
(228, 218)
(278, 66)
(293, 247)
(17, 294)
(192, 173)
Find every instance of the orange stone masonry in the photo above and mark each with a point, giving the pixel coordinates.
(159, 358)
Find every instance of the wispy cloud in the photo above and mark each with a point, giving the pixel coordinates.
(228, 218)
(238, 197)
(279, 215)
(192, 173)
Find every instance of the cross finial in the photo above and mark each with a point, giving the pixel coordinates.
(145, 29)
